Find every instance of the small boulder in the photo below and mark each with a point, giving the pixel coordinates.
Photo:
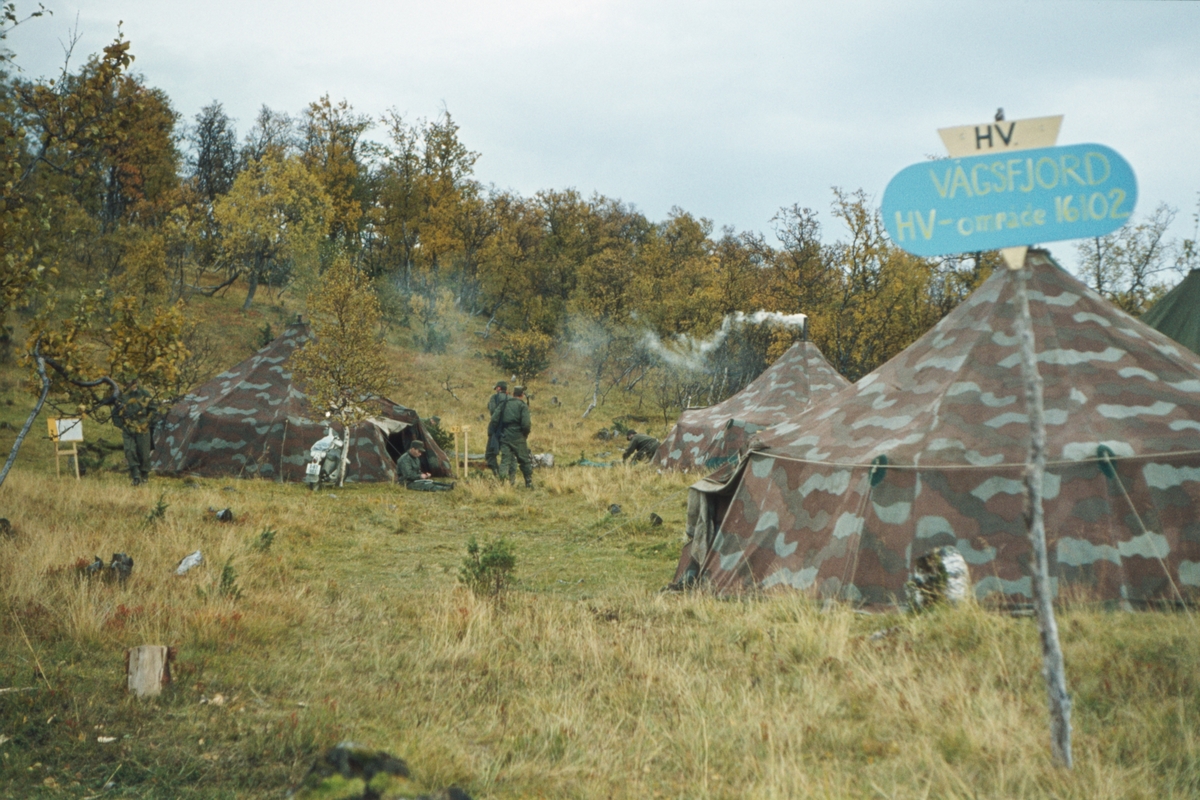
(351, 771)
(939, 576)
(188, 562)
(120, 568)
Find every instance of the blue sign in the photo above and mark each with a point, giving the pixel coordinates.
(1009, 199)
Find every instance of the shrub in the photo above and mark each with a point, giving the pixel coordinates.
(159, 512)
(265, 335)
(228, 586)
(524, 354)
(265, 540)
(487, 571)
(444, 438)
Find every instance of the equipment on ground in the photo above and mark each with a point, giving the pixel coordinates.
(324, 459)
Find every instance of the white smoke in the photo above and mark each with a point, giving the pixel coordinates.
(689, 353)
(774, 317)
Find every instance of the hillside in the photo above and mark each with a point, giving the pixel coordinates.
(320, 617)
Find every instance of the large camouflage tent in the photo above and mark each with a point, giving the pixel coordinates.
(253, 421)
(706, 438)
(1177, 314)
(929, 450)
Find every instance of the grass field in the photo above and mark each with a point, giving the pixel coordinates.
(339, 615)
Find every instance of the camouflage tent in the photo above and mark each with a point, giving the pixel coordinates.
(929, 450)
(706, 438)
(253, 421)
(1177, 314)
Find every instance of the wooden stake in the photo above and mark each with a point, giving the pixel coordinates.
(147, 670)
(1035, 468)
(466, 452)
(461, 450)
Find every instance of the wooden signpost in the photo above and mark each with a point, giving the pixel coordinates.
(463, 451)
(65, 429)
(985, 197)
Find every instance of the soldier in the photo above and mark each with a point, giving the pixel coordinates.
(641, 447)
(133, 414)
(409, 467)
(511, 423)
(492, 454)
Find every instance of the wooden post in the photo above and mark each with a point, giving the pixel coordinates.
(1035, 468)
(461, 450)
(147, 669)
(466, 452)
(65, 430)
(73, 453)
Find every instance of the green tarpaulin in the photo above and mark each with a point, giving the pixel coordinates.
(1178, 313)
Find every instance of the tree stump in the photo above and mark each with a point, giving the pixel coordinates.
(147, 669)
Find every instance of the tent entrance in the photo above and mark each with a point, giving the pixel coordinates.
(397, 435)
(708, 501)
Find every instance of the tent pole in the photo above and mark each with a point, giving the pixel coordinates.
(1035, 468)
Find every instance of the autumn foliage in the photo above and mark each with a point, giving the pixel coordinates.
(108, 190)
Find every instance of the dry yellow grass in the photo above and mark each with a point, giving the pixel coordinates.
(582, 681)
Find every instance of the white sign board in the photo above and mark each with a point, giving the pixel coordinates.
(69, 429)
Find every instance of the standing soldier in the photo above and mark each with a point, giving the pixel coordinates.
(641, 447)
(492, 454)
(511, 423)
(132, 414)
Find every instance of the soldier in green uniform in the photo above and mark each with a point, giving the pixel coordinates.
(492, 454)
(641, 447)
(511, 423)
(409, 467)
(133, 414)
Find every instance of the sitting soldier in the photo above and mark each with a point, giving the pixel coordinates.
(641, 447)
(409, 467)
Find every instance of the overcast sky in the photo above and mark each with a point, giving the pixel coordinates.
(728, 110)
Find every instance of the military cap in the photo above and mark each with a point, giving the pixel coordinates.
(502, 385)
(518, 391)
(418, 444)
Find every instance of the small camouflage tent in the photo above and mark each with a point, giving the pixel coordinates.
(1177, 314)
(706, 438)
(253, 421)
(929, 450)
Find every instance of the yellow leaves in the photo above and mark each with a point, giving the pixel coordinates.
(137, 343)
(275, 210)
(344, 362)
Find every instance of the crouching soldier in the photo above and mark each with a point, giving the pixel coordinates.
(641, 447)
(409, 467)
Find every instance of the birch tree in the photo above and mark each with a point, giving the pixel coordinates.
(343, 367)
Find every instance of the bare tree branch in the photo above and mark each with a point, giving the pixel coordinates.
(37, 409)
